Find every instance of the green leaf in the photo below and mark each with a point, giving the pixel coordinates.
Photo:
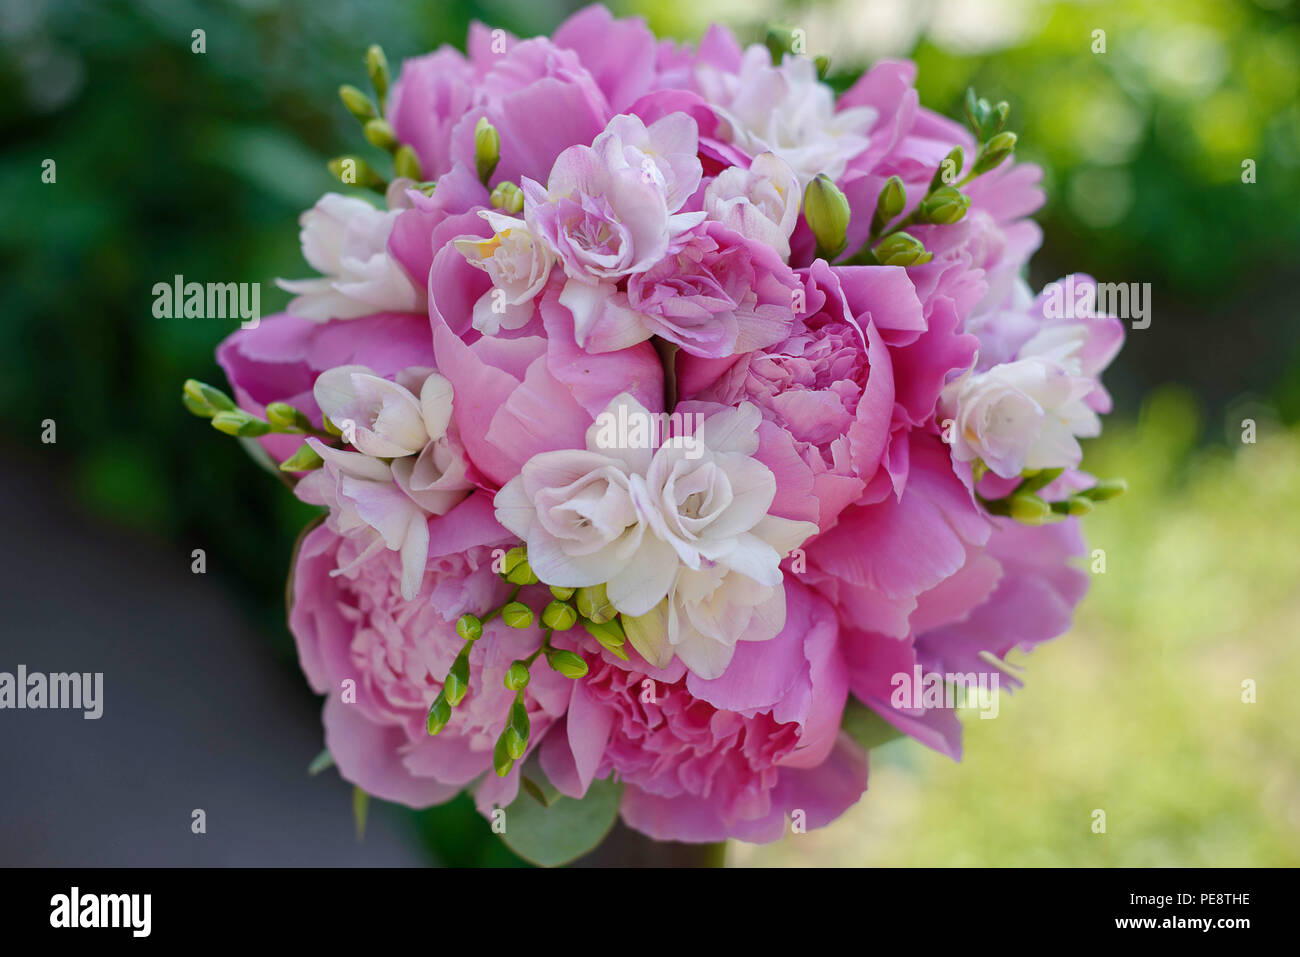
(566, 829)
(866, 727)
(535, 783)
(321, 762)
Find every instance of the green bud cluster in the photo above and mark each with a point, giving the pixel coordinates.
(1026, 506)
(209, 402)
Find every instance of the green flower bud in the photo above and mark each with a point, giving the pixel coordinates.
(517, 676)
(944, 206)
(512, 558)
(1029, 509)
(517, 615)
(381, 134)
(507, 197)
(901, 249)
(827, 211)
(284, 416)
(519, 718)
(610, 635)
(357, 103)
(516, 743)
(502, 761)
(566, 663)
(564, 594)
(949, 169)
(593, 604)
(985, 119)
(994, 152)
(208, 396)
(407, 164)
(487, 149)
(823, 64)
(354, 171)
(240, 424)
(559, 616)
(304, 460)
(439, 714)
(195, 407)
(891, 200)
(469, 627)
(1079, 505)
(1106, 489)
(522, 574)
(457, 684)
(377, 68)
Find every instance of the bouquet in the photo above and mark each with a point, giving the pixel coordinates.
(682, 431)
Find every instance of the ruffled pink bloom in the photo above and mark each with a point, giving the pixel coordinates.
(527, 390)
(1017, 591)
(380, 661)
(279, 360)
(718, 295)
(539, 97)
(847, 385)
(729, 757)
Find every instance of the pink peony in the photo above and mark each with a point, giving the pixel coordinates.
(731, 757)
(381, 660)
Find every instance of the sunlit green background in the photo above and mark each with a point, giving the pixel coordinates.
(174, 162)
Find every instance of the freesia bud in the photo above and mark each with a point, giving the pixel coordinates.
(827, 211)
(949, 169)
(377, 68)
(559, 616)
(469, 627)
(407, 164)
(901, 249)
(994, 152)
(566, 663)
(357, 103)
(517, 615)
(517, 676)
(508, 197)
(944, 206)
(487, 149)
(240, 424)
(439, 714)
(380, 133)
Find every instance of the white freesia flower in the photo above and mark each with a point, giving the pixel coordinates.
(518, 267)
(364, 502)
(377, 416)
(1028, 413)
(760, 203)
(346, 240)
(574, 510)
(388, 504)
(786, 110)
(680, 535)
(666, 151)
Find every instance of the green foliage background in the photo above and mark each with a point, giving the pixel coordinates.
(198, 164)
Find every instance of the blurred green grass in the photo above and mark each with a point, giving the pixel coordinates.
(1138, 711)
